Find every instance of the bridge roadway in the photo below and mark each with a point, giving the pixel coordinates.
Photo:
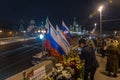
(4, 41)
(17, 59)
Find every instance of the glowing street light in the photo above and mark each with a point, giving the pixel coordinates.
(43, 31)
(95, 24)
(100, 10)
(10, 33)
(0, 31)
(39, 31)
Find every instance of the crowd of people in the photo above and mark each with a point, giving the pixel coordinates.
(107, 47)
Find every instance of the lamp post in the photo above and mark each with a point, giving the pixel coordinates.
(100, 10)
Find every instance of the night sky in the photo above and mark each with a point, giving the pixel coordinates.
(12, 11)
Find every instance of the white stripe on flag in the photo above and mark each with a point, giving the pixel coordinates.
(63, 39)
(55, 36)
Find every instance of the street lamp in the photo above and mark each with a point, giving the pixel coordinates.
(100, 10)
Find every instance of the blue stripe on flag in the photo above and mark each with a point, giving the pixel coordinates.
(55, 45)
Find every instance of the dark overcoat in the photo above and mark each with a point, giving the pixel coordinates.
(112, 59)
(88, 54)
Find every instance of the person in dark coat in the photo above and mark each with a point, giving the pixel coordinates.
(103, 49)
(112, 60)
(88, 55)
(119, 56)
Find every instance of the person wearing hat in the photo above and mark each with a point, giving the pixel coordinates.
(88, 55)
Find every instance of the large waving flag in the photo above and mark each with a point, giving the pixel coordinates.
(46, 42)
(49, 42)
(63, 39)
(56, 46)
(66, 32)
(47, 25)
(57, 41)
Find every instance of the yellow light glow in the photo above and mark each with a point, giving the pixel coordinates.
(110, 1)
(10, 32)
(0, 31)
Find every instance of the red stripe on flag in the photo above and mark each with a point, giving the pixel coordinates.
(55, 53)
(46, 44)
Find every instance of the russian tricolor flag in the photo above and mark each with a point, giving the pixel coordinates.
(56, 47)
(63, 39)
(66, 32)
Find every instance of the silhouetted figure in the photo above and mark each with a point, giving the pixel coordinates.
(112, 60)
(88, 55)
